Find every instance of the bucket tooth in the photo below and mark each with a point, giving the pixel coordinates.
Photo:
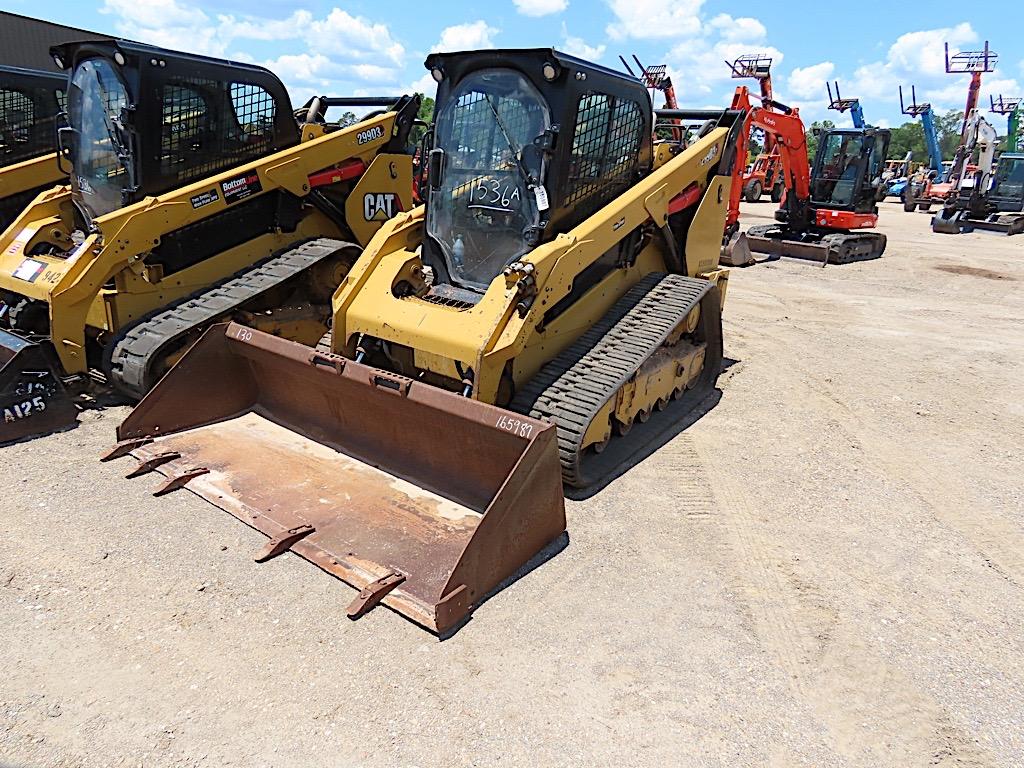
(125, 447)
(178, 480)
(353, 452)
(150, 463)
(372, 594)
(283, 542)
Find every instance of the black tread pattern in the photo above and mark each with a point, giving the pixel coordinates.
(571, 389)
(836, 248)
(135, 355)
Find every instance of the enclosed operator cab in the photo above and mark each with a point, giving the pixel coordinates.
(502, 179)
(848, 169)
(212, 115)
(1007, 191)
(30, 101)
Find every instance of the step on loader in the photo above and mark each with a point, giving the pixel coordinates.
(547, 317)
(826, 206)
(30, 101)
(195, 194)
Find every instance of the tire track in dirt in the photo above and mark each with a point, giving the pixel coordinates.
(998, 541)
(875, 713)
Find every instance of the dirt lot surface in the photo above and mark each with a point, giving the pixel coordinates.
(826, 569)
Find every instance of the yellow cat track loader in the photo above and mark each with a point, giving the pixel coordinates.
(30, 101)
(195, 197)
(549, 313)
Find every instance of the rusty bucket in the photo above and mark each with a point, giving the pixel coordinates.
(33, 399)
(422, 499)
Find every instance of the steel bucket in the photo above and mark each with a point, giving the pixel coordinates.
(422, 499)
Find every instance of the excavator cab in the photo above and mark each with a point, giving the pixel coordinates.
(142, 121)
(848, 169)
(1007, 191)
(30, 101)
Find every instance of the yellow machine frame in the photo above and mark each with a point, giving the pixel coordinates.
(488, 335)
(73, 285)
(30, 174)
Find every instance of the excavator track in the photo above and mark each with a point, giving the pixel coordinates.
(573, 387)
(834, 248)
(136, 354)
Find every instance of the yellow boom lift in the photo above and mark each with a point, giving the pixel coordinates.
(549, 314)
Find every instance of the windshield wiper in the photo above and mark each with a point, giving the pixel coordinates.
(511, 144)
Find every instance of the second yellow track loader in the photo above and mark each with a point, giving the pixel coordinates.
(30, 101)
(195, 194)
(559, 290)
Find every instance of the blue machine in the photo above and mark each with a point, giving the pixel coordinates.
(840, 104)
(931, 136)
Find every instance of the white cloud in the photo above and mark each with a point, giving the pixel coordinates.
(924, 53)
(809, 82)
(699, 67)
(355, 37)
(155, 13)
(467, 37)
(914, 58)
(268, 29)
(425, 85)
(362, 55)
(540, 7)
(303, 67)
(647, 19)
(577, 46)
(741, 30)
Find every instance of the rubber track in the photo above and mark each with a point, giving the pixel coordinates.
(140, 348)
(835, 248)
(571, 389)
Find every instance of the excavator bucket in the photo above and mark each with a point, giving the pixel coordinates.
(422, 499)
(736, 252)
(33, 399)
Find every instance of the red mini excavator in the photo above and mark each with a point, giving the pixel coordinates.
(824, 206)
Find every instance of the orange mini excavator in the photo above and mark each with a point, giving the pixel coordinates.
(825, 205)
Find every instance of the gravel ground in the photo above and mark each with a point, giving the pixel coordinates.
(825, 569)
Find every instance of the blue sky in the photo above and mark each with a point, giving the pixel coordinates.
(361, 47)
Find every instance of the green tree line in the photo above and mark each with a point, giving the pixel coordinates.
(909, 137)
